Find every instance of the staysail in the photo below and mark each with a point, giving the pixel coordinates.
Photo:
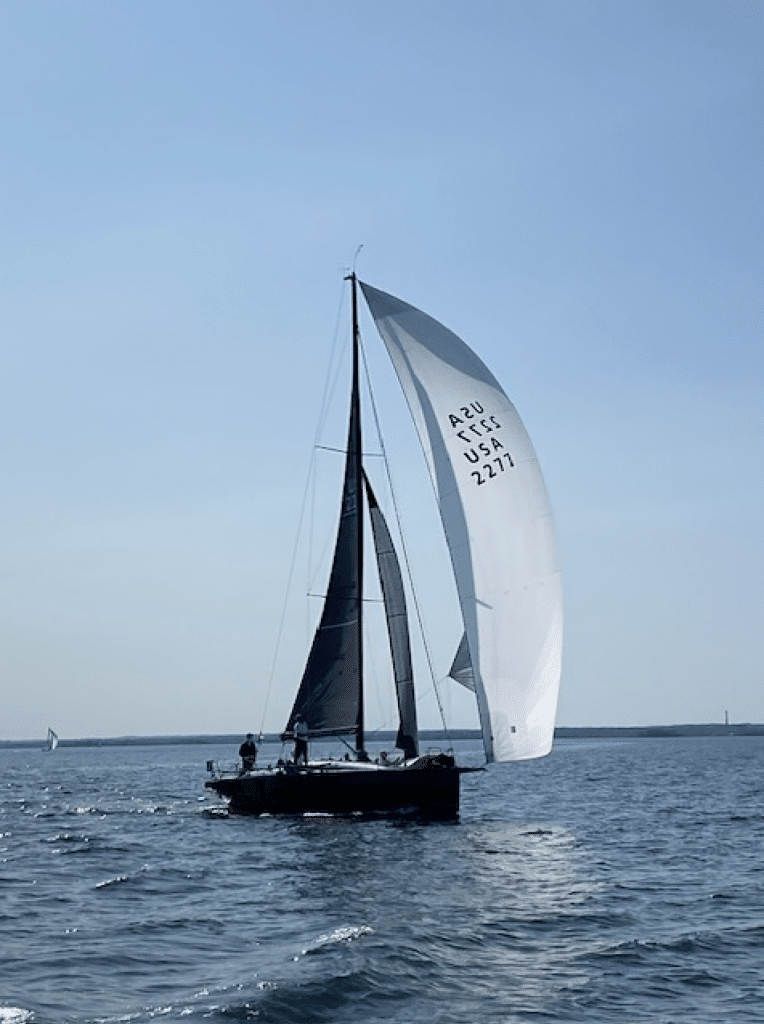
(498, 526)
(461, 666)
(394, 596)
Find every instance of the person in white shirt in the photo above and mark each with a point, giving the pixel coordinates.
(301, 733)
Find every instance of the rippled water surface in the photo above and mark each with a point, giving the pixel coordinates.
(612, 881)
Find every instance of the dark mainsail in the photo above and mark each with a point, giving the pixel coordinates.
(330, 697)
(394, 596)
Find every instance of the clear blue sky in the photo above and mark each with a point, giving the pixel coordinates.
(574, 186)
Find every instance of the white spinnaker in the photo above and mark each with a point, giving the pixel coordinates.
(498, 525)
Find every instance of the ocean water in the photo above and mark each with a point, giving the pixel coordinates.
(609, 882)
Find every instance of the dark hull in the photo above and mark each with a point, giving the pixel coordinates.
(428, 791)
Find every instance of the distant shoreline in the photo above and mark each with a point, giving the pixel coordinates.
(562, 732)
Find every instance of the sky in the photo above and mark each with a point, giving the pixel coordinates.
(573, 186)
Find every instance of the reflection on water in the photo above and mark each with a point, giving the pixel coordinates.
(535, 872)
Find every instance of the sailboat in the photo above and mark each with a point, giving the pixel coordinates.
(51, 741)
(497, 521)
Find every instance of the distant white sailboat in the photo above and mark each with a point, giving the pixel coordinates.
(51, 742)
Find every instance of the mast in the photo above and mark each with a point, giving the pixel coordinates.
(357, 453)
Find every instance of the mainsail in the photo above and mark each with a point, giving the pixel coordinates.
(497, 520)
(330, 697)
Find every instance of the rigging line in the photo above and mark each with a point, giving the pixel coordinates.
(309, 490)
(336, 362)
(404, 549)
(348, 745)
(290, 576)
(344, 451)
(330, 388)
(333, 369)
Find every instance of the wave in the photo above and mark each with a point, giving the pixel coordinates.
(112, 881)
(66, 837)
(718, 942)
(14, 1015)
(324, 1000)
(338, 936)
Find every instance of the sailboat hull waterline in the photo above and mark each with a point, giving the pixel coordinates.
(427, 787)
(497, 523)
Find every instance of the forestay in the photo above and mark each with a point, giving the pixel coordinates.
(497, 520)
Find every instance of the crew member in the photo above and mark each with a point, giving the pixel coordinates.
(301, 733)
(248, 753)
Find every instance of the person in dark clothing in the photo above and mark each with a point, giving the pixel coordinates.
(248, 753)
(300, 740)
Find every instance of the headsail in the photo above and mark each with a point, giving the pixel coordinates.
(394, 596)
(497, 521)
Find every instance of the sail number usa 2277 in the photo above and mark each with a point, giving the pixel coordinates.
(482, 448)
